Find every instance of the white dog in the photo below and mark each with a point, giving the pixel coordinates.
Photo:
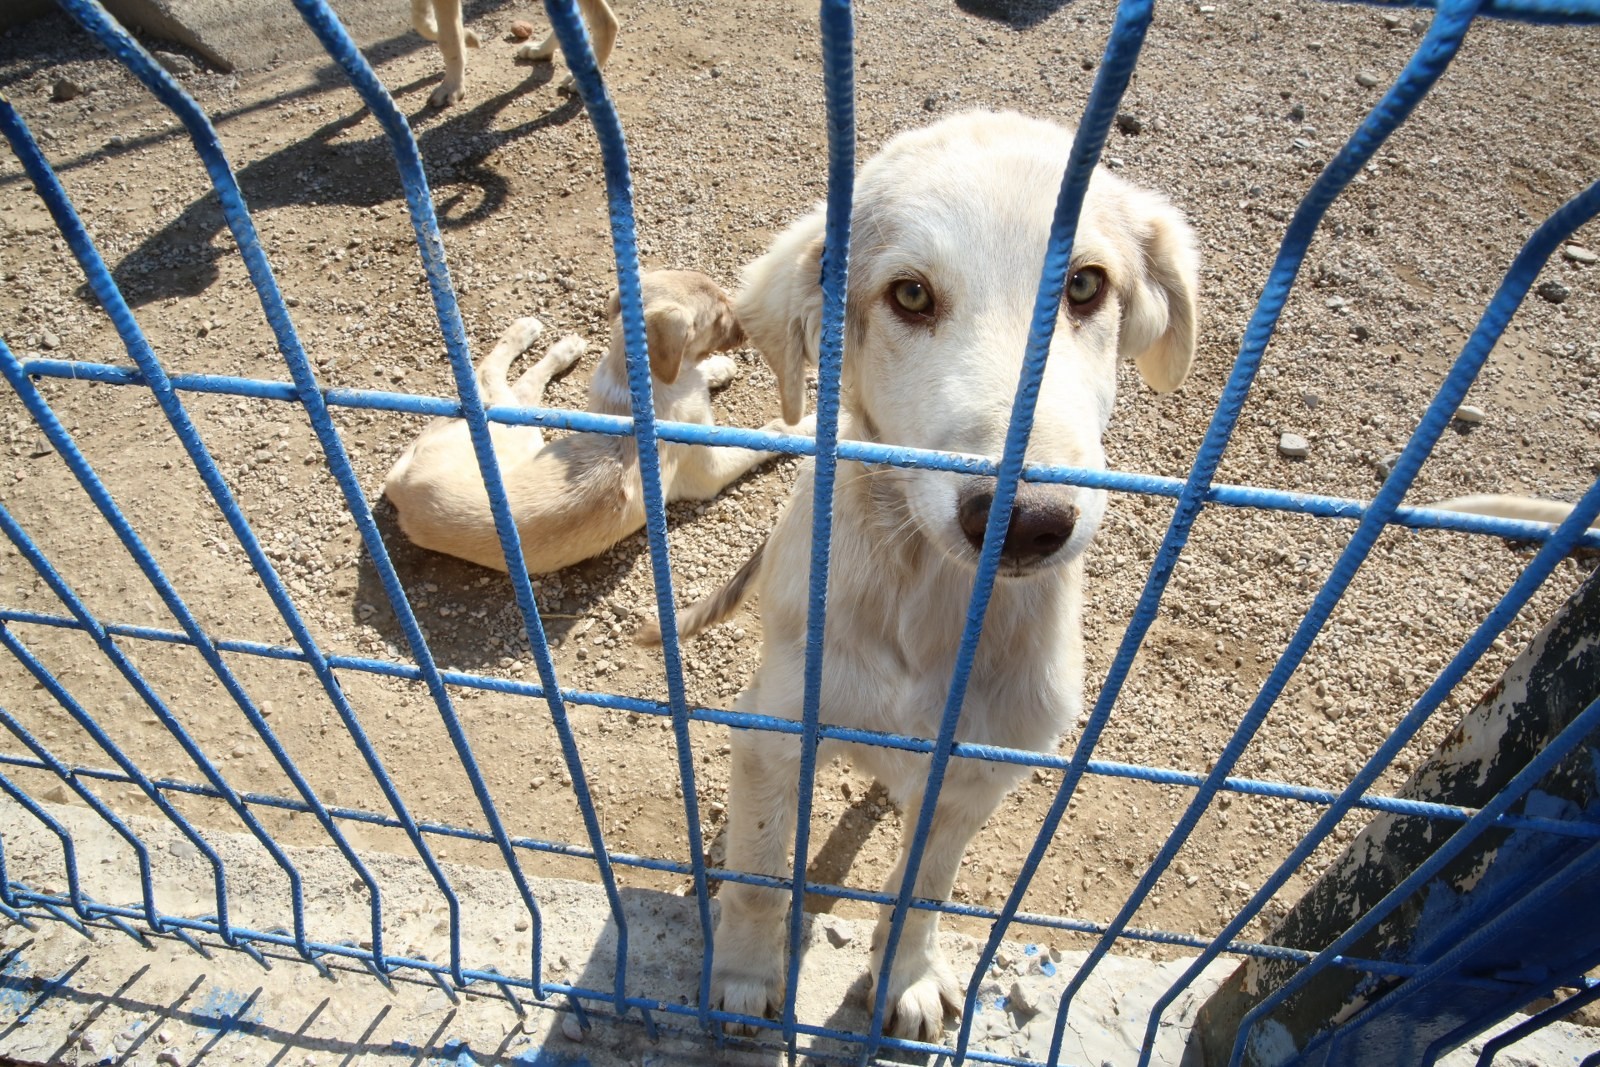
(950, 227)
(440, 20)
(576, 497)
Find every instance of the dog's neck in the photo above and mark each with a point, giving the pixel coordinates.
(608, 389)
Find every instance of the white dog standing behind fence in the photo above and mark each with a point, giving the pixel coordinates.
(950, 227)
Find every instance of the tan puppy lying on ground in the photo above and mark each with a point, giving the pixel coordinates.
(440, 20)
(1507, 506)
(576, 497)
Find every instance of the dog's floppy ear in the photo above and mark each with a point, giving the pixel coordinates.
(1158, 317)
(667, 329)
(780, 306)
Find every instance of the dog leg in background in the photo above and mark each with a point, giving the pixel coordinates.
(440, 20)
(603, 26)
(529, 389)
(708, 471)
(747, 975)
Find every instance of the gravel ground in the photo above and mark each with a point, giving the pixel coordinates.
(1236, 106)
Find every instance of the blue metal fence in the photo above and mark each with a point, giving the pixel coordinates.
(22, 903)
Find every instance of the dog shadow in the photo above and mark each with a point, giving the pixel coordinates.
(468, 614)
(331, 169)
(1017, 14)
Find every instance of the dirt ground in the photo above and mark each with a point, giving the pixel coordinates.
(1239, 103)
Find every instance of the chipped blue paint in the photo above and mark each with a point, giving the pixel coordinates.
(543, 1057)
(229, 1011)
(16, 987)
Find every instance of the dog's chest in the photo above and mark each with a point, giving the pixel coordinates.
(1024, 686)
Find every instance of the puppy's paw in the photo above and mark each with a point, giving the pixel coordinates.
(567, 351)
(747, 986)
(719, 370)
(523, 332)
(471, 39)
(921, 993)
(447, 94)
(806, 427)
(529, 52)
(568, 86)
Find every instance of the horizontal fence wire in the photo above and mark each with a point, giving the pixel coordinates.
(1192, 494)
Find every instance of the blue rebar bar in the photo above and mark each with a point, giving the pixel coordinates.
(111, 300)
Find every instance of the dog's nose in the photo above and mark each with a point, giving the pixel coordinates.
(1042, 519)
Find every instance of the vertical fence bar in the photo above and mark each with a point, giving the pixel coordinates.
(69, 853)
(574, 39)
(93, 18)
(838, 69)
(1513, 288)
(111, 300)
(140, 850)
(1116, 68)
(1443, 38)
(408, 159)
(1426, 66)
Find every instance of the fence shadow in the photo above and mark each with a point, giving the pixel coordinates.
(330, 169)
(220, 1017)
(476, 612)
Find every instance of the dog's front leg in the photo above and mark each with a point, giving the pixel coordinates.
(922, 987)
(453, 42)
(747, 975)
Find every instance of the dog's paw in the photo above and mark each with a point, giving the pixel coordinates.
(806, 427)
(719, 370)
(523, 332)
(447, 94)
(471, 39)
(920, 997)
(568, 86)
(567, 351)
(537, 53)
(747, 986)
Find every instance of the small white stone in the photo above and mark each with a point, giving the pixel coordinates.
(1294, 446)
(1023, 999)
(1580, 254)
(1470, 415)
(571, 1029)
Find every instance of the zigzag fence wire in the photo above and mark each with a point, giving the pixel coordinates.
(24, 904)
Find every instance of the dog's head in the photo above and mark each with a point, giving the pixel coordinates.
(687, 316)
(949, 227)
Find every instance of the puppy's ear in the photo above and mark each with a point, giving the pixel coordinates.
(1158, 318)
(780, 307)
(668, 329)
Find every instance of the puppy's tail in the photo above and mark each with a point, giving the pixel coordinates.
(1502, 506)
(715, 608)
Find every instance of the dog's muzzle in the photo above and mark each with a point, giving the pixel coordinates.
(1042, 520)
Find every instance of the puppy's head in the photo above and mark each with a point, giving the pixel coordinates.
(949, 227)
(687, 316)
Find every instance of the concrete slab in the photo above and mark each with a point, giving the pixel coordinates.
(68, 1001)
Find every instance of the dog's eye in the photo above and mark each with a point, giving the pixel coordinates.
(912, 297)
(1086, 289)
